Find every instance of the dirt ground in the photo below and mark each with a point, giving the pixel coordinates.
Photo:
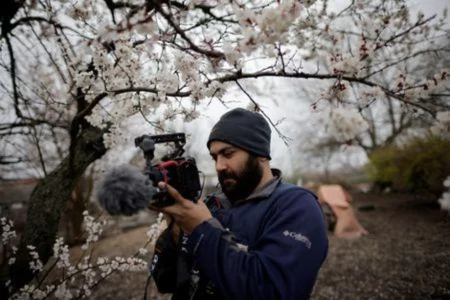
(405, 256)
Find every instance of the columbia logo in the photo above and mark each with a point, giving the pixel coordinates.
(298, 237)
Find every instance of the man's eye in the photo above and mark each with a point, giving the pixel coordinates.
(228, 154)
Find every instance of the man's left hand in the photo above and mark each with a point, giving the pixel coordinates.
(186, 213)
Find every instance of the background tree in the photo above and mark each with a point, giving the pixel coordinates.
(386, 120)
(81, 69)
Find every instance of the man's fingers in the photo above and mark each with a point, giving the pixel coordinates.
(167, 217)
(168, 211)
(172, 192)
(172, 210)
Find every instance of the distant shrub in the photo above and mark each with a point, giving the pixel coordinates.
(418, 166)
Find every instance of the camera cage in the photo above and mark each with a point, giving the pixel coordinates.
(180, 172)
(147, 145)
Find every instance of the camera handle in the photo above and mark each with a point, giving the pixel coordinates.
(147, 145)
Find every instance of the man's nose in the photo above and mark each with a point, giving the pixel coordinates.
(220, 164)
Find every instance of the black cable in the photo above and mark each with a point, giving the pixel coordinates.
(146, 285)
(169, 227)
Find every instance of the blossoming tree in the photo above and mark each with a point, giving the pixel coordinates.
(74, 71)
(383, 120)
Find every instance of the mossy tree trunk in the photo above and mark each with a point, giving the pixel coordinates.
(76, 205)
(46, 204)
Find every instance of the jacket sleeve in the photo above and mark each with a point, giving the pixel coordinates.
(164, 263)
(283, 263)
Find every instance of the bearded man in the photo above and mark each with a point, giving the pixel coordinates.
(256, 238)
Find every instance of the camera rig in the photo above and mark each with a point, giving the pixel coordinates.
(174, 169)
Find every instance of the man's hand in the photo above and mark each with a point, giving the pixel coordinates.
(176, 230)
(186, 213)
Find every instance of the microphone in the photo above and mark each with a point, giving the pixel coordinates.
(125, 190)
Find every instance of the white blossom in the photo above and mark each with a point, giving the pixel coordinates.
(447, 182)
(62, 292)
(343, 124)
(39, 294)
(8, 231)
(35, 263)
(191, 115)
(61, 252)
(232, 55)
(93, 228)
(85, 269)
(143, 251)
(187, 65)
(345, 65)
(339, 92)
(156, 229)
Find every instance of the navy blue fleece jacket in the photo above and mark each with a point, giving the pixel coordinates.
(269, 247)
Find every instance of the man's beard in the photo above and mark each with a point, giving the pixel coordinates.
(245, 181)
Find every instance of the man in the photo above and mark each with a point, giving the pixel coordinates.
(258, 238)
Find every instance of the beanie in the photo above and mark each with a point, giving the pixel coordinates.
(244, 129)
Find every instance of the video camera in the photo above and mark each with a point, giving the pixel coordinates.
(180, 172)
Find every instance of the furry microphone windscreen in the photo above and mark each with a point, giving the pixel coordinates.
(125, 190)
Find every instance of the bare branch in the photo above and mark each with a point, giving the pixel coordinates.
(396, 62)
(28, 20)
(10, 160)
(394, 37)
(285, 139)
(182, 33)
(13, 77)
(39, 149)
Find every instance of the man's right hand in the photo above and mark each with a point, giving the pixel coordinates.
(176, 230)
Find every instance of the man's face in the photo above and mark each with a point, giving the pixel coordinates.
(239, 172)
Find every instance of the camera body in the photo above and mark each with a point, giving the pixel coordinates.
(178, 171)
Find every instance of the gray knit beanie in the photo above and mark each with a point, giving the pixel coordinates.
(244, 129)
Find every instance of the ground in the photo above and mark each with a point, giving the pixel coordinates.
(405, 256)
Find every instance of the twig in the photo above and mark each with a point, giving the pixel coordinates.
(13, 76)
(182, 33)
(285, 139)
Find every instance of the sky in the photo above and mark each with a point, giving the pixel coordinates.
(429, 7)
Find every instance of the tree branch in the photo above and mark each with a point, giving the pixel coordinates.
(30, 123)
(405, 59)
(285, 139)
(13, 77)
(394, 37)
(10, 160)
(239, 75)
(182, 33)
(28, 20)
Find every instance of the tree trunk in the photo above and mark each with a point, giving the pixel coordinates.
(75, 207)
(75, 215)
(46, 205)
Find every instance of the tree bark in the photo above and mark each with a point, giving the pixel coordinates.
(45, 206)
